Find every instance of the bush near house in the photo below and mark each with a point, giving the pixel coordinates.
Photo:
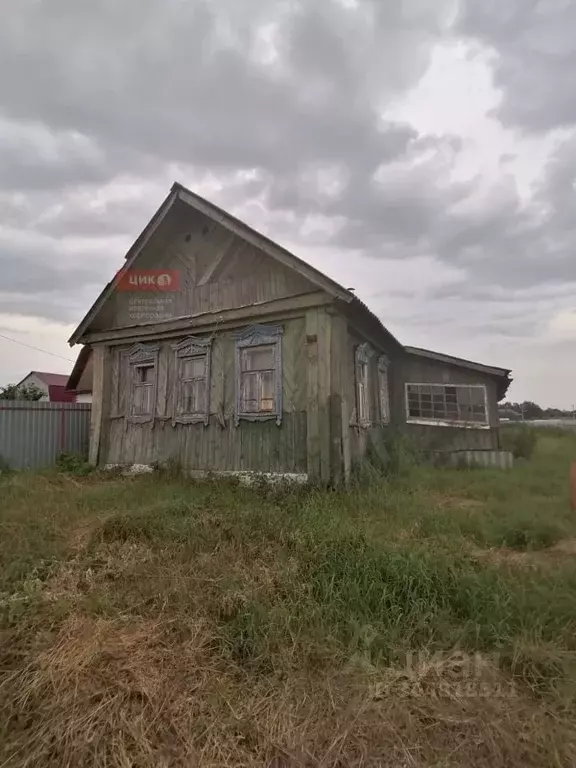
(426, 618)
(22, 392)
(520, 440)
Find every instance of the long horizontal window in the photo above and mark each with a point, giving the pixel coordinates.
(459, 404)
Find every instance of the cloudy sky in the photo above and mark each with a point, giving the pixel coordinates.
(420, 151)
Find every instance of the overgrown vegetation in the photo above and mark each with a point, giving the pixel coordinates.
(520, 440)
(73, 464)
(425, 618)
(21, 392)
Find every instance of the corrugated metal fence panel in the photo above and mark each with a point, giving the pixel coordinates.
(495, 459)
(33, 434)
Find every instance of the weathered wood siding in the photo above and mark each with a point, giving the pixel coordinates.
(217, 271)
(219, 446)
(404, 369)
(420, 370)
(360, 437)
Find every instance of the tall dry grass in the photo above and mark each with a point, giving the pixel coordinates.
(423, 619)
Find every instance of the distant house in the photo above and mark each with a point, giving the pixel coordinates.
(54, 386)
(218, 349)
(80, 380)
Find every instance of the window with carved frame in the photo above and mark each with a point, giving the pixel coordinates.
(193, 358)
(362, 360)
(143, 368)
(259, 374)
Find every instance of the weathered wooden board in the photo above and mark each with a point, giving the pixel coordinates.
(100, 389)
(216, 270)
(262, 446)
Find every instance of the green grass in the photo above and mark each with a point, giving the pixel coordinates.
(287, 588)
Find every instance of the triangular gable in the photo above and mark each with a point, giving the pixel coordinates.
(180, 194)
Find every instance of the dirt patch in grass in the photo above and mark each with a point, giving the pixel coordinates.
(566, 547)
(551, 557)
(456, 502)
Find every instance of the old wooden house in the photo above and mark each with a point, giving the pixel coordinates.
(217, 349)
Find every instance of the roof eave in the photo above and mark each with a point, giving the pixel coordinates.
(78, 368)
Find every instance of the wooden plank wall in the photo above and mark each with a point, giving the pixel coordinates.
(100, 392)
(319, 390)
(359, 438)
(409, 368)
(420, 370)
(217, 270)
(260, 446)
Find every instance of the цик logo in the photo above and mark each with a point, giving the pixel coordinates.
(148, 280)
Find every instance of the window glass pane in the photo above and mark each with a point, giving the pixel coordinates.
(137, 407)
(193, 367)
(142, 402)
(200, 400)
(362, 405)
(258, 358)
(460, 403)
(383, 390)
(249, 397)
(187, 396)
(194, 396)
(147, 399)
(267, 394)
(476, 396)
(463, 396)
(144, 374)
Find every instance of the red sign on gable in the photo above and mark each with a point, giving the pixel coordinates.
(148, 280)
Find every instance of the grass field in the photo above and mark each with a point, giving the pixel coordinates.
(424, 619)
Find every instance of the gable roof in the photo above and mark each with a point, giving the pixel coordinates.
(50, 379)
(181, 195)
(503, 374)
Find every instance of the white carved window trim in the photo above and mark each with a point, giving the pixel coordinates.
(142, 356)
(191, 348)
(417, 411)
(362, 380)
(383, 389)
(257, 336)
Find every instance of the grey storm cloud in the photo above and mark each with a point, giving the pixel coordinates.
(191, 82)
(292, 95)
(109, 90)
(535, 43)
(43, 277)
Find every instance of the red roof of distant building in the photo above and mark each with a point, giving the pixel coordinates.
(52, 379)
(56, 385)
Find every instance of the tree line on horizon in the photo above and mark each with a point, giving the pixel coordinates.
(531, 410)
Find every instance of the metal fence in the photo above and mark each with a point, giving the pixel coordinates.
(33, 434)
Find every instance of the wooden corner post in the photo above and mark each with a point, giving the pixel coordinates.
(101, 375)
(319, 384)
